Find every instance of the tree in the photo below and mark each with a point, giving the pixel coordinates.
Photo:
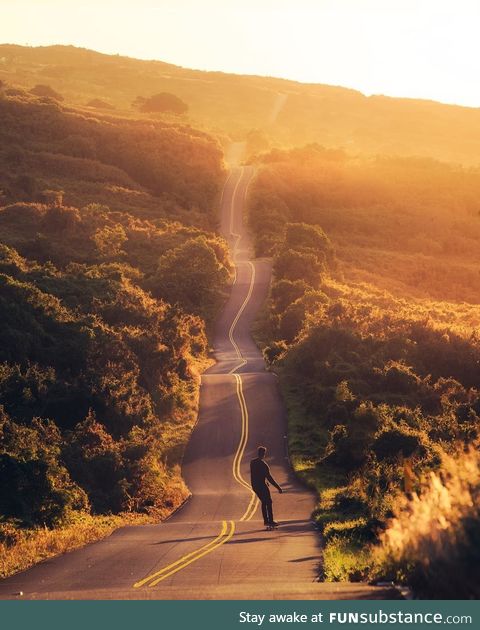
(285, 292)
(163, 102)
(98, 103)
(298, 265)
(304, 236)
(46, 91)
(191, 275)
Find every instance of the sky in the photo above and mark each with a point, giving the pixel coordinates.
(414, 48)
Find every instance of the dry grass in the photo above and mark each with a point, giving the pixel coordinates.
(22, 549)
(459, 317)
(432, 543)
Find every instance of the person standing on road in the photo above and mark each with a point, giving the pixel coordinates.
(260, 474)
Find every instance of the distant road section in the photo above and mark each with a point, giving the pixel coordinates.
(278, 105)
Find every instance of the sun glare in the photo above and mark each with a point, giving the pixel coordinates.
(413, 48)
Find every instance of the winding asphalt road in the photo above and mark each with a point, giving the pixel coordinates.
(215, 547)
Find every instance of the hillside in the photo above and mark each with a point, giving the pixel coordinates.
(158, 168)
(408, 225)
(110, 274)
(268, 111)
(372, 325)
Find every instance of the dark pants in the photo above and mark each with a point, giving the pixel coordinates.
(263, 493)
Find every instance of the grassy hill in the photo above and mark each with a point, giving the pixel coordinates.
(372, 325)
(408, 225)
(110, 273)
(280, 112)
(154, 167)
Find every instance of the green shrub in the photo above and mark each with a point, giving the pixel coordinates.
(392, 442)
(35, 488)
(163, 102)
(295, 265)
(192, 275)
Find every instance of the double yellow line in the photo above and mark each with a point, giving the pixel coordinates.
(237, 473)
(232, 214)
(226, 533)
(238, 352)
(252, 506)
(228, 527)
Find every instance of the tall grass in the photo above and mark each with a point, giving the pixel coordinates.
(21, 549)
(433, 542)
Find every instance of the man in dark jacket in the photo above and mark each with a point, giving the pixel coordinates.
(260, 474)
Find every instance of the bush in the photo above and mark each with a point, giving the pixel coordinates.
(47, 92)
(399, 441)
(300, 236)
(274, 351)
(96, 463)
(285, 292)
(204, 276)
(163, 102)
(61, 219)
(298, 265)
(350, 444)
(35, 488)
(432, 543)
(23, 213)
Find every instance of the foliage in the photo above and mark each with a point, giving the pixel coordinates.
(432, 539)
(381, 388)
(47, 92)
(204, 267)
(407, 225)
(67, 338)
(35, 487)
(247, 107)
(98, 377)
(153, 168)
(163, 102)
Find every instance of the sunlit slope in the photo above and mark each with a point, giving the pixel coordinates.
(371, 326)
(406, 225)
(333, 116)
(150, 168)
(109, 275)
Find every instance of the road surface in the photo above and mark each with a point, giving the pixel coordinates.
(216, 546)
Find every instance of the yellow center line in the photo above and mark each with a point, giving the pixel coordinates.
(227, 530)
(237, 317)
(243, 439)
(187, 559)
(238, 352)
(220, 540)
(222, 196)
(253, 503)
(232, 207)
(237, 473)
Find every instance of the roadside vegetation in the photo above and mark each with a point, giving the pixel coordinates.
(265, 111)
(381, 386)
(110, 275)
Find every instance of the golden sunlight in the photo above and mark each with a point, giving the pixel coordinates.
(413, 48)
